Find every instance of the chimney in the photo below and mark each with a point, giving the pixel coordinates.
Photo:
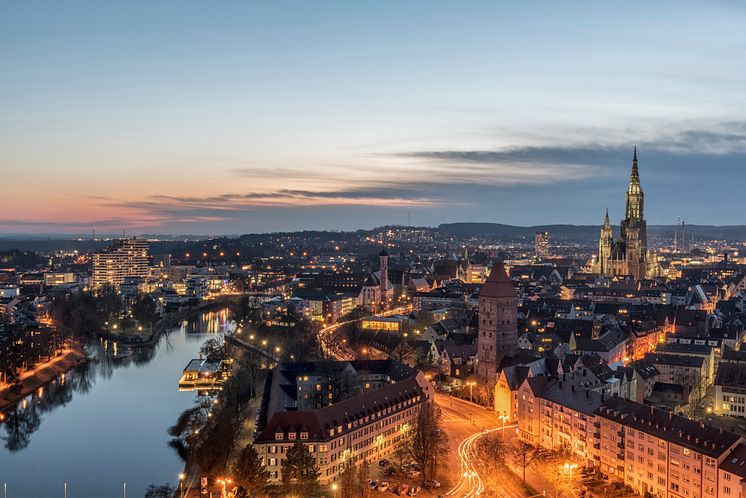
(572, 388)
(587, 393)
(602, 397)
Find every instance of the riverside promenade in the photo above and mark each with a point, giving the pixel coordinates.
(41, 374)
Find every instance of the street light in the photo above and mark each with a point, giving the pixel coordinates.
(181, 484)
(504, 418)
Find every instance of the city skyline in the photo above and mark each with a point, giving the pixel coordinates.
(181, 118)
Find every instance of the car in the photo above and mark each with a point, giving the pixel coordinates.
(411, 473)
(383, 462)
(402, 489)
(432, 483)
(372, 483)
(383, 486)
(390, 471)
(414, 490)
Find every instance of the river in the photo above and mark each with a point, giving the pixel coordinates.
(106, 424)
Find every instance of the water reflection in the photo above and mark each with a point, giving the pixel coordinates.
(121, 389)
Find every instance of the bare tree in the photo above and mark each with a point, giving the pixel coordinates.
(363, 476)
(523, 455)
(428, 443)
(347, 480)
(403, 353)
(491, 451)
(692, 382)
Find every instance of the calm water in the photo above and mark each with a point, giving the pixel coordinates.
(100, 427)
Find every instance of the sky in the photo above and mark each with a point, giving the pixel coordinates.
(234, 117)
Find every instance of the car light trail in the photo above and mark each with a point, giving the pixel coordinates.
(470, 483)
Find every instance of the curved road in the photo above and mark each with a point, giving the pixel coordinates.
(470, 483)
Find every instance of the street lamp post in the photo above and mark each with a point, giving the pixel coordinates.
(181, 485)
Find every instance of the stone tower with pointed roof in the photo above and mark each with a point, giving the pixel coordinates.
(626, 256)
(498, 323)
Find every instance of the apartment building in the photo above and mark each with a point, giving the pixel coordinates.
(657, 452)
(559, 414)
(384, 401)
(126, 258)
(730, 390)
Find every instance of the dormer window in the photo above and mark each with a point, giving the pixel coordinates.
(291, 436)
(304, 435)
(279, 435)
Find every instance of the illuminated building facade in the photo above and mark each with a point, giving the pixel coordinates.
(629, 254)
(366, 425)
(127, 258)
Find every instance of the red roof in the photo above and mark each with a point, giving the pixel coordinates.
(498, 284)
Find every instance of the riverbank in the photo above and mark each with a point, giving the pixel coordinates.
(168, 321)
(39, 376)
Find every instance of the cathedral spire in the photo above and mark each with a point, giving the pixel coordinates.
(607, 223)
(635, 177)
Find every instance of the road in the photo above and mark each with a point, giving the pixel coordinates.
(331, 345)
(465, 424)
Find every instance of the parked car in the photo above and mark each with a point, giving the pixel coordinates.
(383, 462)
(432, 483)
(372, 483)
(383, 486)
(390, 471)
(411, 473)
(414, 490)
(402, 489)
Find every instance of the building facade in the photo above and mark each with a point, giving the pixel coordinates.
(126, 258)
(367, 425)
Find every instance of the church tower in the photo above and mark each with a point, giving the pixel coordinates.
(604, 247)
(633, 227)
(498, 323)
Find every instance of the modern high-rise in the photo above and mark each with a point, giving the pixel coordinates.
(541, 245)
(126, 258)
(498, 323)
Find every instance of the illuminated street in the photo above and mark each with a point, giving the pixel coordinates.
(466, 423)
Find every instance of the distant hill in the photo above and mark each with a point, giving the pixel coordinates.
(582, 233)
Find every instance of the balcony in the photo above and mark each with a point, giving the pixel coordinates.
(620, 433)
(620, 445)
(597, 435)
(620, 456)
(597, 424)
(597, 446)
(620, 468)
